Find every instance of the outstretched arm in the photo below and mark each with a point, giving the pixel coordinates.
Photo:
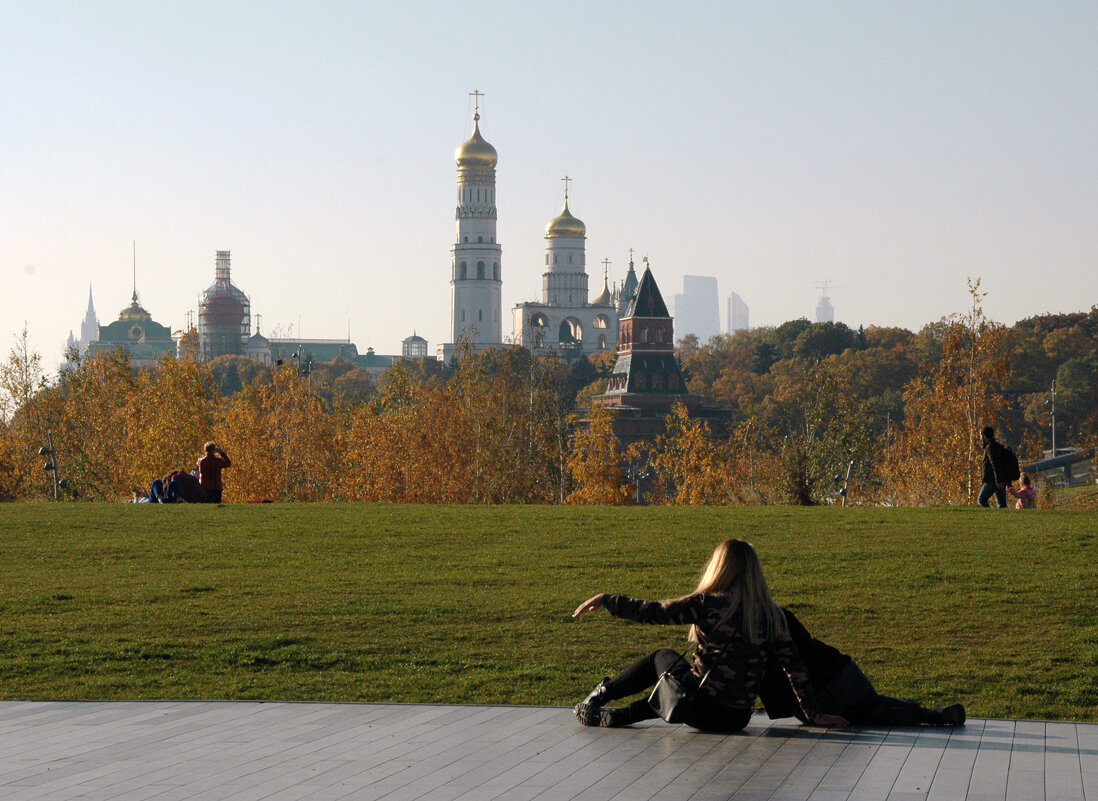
(591, 604)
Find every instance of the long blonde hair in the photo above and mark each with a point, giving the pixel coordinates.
(734, 571)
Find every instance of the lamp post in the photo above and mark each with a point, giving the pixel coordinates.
(1053, 401)
(51, 466)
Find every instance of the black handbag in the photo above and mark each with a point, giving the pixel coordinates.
(671, 697)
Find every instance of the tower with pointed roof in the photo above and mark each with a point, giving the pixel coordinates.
(647, 381)
(475, 278)
(565, 322)
(89, 330)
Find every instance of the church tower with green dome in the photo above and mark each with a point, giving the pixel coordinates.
(475, 280)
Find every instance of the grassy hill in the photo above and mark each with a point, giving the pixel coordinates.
(994, 608)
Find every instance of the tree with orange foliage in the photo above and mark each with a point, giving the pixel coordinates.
(168, 414)
(282, 440)
(88, 412)
(935, 457)
(23, 423)
(690, 468)
(595, 463)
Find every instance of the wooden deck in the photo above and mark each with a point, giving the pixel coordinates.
(248, 751)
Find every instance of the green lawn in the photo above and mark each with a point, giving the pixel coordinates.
(994, 608)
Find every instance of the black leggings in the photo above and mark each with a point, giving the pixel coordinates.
(643, 674)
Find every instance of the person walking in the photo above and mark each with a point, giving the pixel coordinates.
(209, 472)
(738, 629)
(995, 469)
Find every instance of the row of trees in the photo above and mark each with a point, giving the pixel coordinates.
(898, 410)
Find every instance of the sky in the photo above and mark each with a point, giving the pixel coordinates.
(888, 151)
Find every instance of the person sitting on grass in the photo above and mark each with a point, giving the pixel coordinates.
(738, 630)
(842, 689)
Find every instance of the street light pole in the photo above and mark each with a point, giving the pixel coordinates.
(1054, 418)
(51, 465)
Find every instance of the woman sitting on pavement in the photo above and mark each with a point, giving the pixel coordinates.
(739, 630)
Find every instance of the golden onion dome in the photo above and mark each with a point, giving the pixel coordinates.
(604, 298)
(476, 152)
(565, 225)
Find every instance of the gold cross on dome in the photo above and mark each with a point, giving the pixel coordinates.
(566, 181)
(476, 94)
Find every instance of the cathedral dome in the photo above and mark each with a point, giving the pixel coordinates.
(604, 298)
(565, 225)
(476, 152)
(134, 311)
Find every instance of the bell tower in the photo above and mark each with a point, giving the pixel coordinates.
(475, 278)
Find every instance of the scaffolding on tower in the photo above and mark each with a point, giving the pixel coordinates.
(224, 315)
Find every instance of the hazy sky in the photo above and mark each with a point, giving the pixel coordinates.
(892, 149)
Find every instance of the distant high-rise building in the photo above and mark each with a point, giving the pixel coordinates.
(697, 309)
(738, 314)
(825, 312)
(224, 315)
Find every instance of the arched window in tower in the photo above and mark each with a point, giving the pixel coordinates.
(602, 341)
(465, 240)
(480, 270)
(480, 315)
(495, 270)
(546, 258)
(554, 258)
(656, 383)
(659, 333)
(644, 333)
(569, 258)
(463, 271)
(480, 239)
(638, 381)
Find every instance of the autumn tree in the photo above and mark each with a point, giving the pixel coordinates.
(281, 438)
(23, 423)
(818, 428)
(88, 410)
(595, 462)
(690, 468)
(935, 456)
(170, 412)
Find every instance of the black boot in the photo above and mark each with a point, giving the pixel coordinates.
(615, 717)
(952, 715)
(587, 710)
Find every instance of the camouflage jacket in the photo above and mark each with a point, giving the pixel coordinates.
(735, 665)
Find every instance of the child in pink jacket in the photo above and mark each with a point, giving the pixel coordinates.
(1027, 496)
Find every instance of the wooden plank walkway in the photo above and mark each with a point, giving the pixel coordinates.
(250, 751)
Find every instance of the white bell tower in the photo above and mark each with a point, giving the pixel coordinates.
(475, 279)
